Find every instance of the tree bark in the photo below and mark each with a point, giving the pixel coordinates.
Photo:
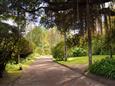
(109, 32)
(17, 59)
(2, 68)
(89, 35)
(65, 47)
(110, 45)
(89, 46)
(110, 51)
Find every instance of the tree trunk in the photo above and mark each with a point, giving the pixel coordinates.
(110, 44)
(18, 59)
(2, 68)
(108, 31)
(89, 46)
(89, 35)
(110, 52)
(65, 47)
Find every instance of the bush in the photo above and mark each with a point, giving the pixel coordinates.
(100, 46)
(105, 67)
(58, 51)
(77, 51)
(22, 48)
(8, 38)
(26, 47)
(10, 45)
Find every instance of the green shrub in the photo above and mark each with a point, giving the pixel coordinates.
(100, 45)
(25, 47)
(77, 51)
(105, 67)
(58, 51)
(38, 50)
(11, 46)
(22, 48)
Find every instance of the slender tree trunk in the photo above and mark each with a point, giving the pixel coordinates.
(89, 35)
(106, 23)
(17, 59)
(2, 69)
(65, 47)
(19, 40)
(90, 46)
(108, 31)
(110, 45)
(110, 51)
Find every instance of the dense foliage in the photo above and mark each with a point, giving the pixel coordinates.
(58, 51)
(66, 16)
(44, 39)
(99, 46)
(37, 36)
(105, 67)
(12, 45)
(25, 47)
(77, 51)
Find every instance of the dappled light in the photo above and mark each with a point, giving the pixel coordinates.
(57, 42)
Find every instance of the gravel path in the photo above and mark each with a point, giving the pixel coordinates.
(45, 72)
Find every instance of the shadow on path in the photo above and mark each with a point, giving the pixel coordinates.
(46, 72)
(85, 73)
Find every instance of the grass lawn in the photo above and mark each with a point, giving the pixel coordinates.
(14, 68)
(82, 60)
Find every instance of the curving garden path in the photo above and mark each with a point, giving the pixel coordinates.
(45, 72)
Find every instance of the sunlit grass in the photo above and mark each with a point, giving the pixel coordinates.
(14, 68)
(82, 60)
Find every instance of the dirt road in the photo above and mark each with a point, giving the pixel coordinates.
(45, 72)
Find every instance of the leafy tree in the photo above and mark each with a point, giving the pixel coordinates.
(54, 37)
(71, 14)
(44, 39)
(10, 46)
